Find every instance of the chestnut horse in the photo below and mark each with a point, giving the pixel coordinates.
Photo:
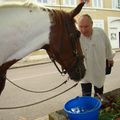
(25, 28)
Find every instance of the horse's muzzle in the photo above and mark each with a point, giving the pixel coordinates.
(77, 73)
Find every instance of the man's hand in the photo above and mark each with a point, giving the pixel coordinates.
(110, 63)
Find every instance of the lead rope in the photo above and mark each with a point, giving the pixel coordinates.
(27, 90)
(28, 105)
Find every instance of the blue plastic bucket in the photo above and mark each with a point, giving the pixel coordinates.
(83, 108)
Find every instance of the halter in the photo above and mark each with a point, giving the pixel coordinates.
(74, 40)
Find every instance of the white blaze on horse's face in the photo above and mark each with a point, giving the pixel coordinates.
(26, 26)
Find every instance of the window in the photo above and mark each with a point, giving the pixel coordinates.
(116, 4)
(69, 2)
(43, 1)
(113, 36)
(51, 2)
(97, 3)
(119, 4)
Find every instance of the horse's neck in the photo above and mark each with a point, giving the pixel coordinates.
(22, 30)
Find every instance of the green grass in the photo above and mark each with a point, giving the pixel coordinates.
(110, 112)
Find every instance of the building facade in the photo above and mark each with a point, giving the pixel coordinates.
(105, 14)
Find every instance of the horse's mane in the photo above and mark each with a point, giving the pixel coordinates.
(28, 4)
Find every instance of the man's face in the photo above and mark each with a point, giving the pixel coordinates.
(85, 26)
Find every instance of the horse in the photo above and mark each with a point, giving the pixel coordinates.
(28, 27)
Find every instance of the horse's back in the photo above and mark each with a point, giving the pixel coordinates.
(23, 29)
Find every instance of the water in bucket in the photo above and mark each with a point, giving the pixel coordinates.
(83, 108)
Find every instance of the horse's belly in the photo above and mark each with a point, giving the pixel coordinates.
(22, 30)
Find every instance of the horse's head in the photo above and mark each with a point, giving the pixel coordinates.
(64, 43)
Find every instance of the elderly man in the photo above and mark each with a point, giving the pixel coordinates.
(96, 49)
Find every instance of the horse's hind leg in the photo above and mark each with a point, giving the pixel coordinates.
(2, 81)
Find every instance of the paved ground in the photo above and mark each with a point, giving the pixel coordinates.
(41, 59)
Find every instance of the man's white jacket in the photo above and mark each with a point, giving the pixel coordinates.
(96, 50)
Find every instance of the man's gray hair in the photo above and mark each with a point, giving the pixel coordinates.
(89, 17)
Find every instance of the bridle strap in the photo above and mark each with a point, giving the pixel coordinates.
(63, 71)
(73, 37)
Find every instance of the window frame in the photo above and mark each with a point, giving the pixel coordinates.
(97, 3)
(50, 2)
(69, 2)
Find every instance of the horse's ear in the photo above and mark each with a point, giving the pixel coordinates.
(74, 12)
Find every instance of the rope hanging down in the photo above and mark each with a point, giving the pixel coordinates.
(23, 106)
(37, 91)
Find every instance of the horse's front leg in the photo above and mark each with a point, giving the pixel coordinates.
(2, 81)
(3, 70)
